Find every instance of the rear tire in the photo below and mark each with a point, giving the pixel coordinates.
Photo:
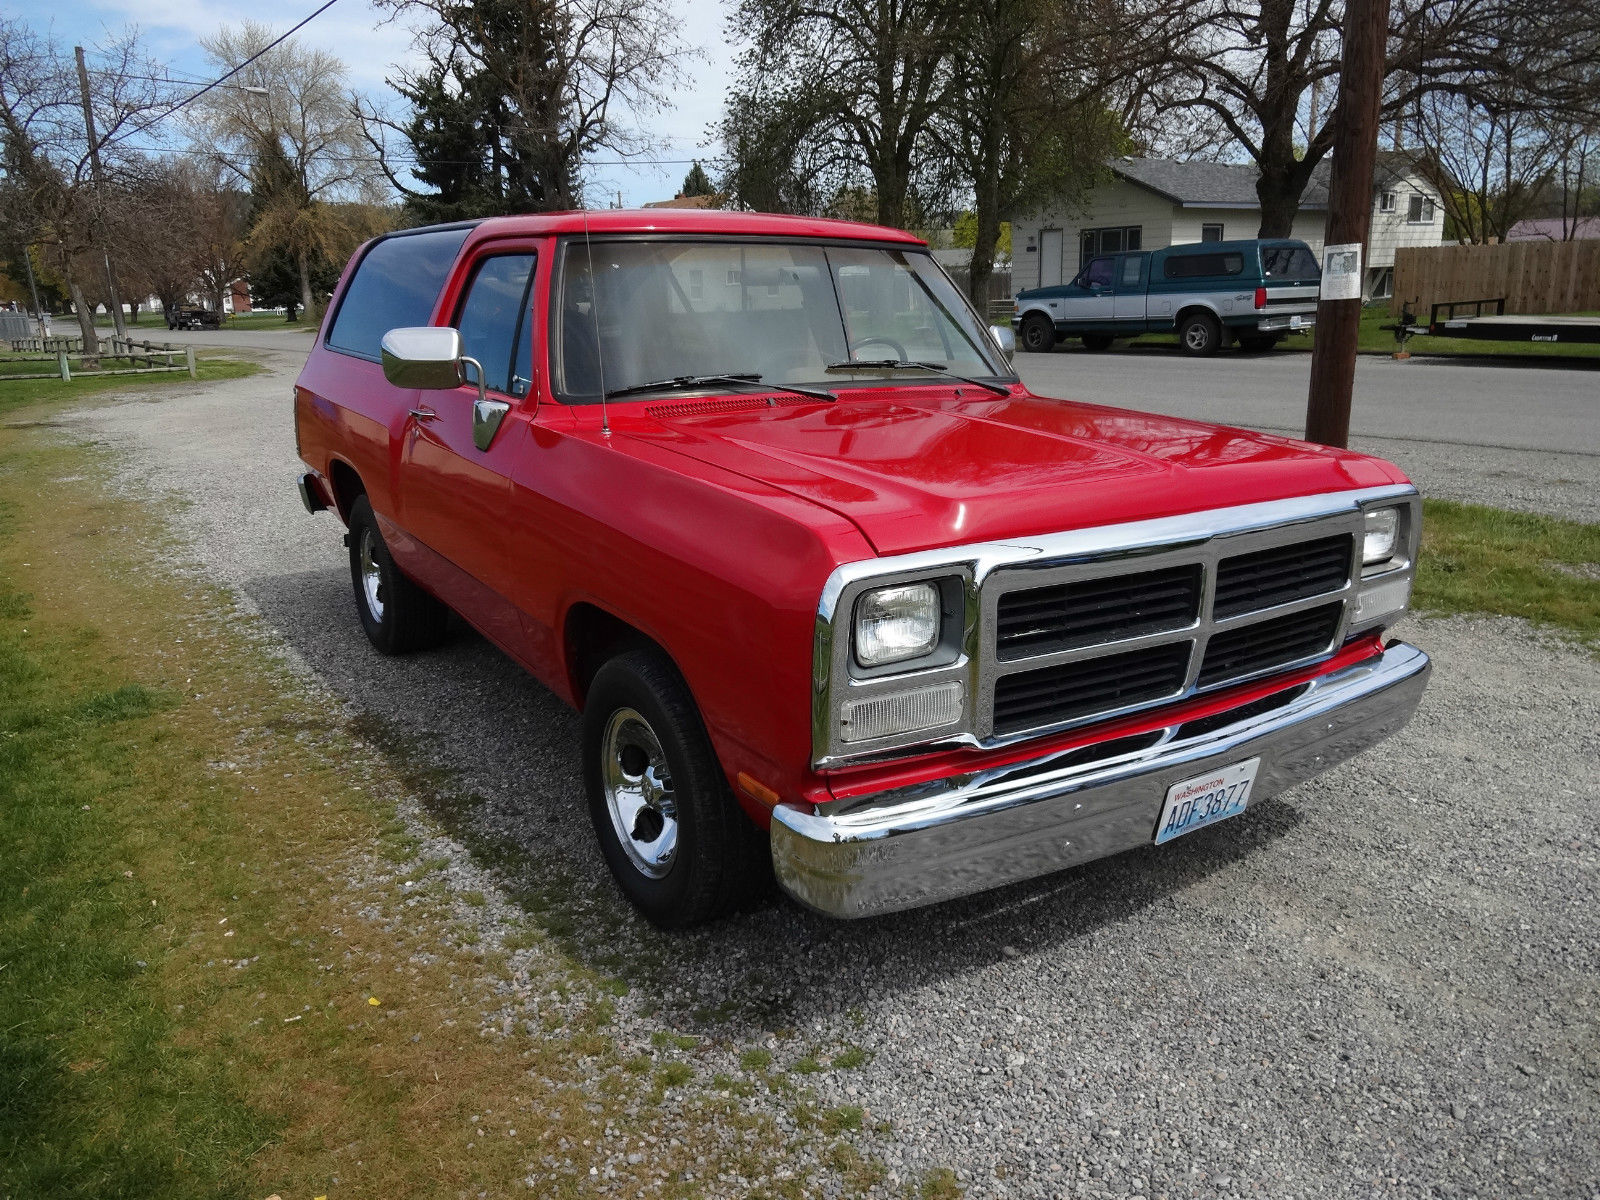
(1200, 334)
(678, 845)
(1038, 334)
(399, 616)
(1097, 341)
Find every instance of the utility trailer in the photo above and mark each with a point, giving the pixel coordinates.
(1490, 322)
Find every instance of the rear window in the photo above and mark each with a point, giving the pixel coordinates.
(395, 285)
(1195, 266)
(1289, 262)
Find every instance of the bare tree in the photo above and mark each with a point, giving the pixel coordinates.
(290, 132)
(1491, 162)
(517, 93)
(852, 88)
(1266, 69)
(50, 195)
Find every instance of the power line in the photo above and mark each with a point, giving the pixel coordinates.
(413, 161)
(216, 83)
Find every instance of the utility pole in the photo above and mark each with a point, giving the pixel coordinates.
(38, 310)
(1355, 147)
(99, 193)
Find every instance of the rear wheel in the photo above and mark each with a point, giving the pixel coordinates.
(1038, 333)
(1200, 334)
(1097, 341)
(677, 842)
(399, 616)
(1257, 343)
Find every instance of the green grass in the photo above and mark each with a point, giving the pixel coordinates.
(67, 326)
(1486, 560)
(19, 393)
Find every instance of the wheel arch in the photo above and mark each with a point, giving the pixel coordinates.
(591, 636)
(347, 486)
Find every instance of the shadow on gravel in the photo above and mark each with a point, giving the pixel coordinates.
(493, 755)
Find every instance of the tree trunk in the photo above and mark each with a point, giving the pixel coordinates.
(302, 260)
(85, 314)
(987, 211)
(1280, 202)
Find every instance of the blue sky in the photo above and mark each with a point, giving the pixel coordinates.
(370, 47)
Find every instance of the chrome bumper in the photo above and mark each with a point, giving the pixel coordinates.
(1282, 324)
(967, 833)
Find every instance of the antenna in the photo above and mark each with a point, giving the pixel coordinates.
(594, 313)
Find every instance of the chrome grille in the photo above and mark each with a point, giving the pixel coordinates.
(1093, 685)
(1036, 621)
(1069, 643)
(1281, 574)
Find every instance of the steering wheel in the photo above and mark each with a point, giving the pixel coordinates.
(899, 350)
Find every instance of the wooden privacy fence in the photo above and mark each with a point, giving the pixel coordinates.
(1534, 277)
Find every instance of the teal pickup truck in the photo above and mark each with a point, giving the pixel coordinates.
(1256, 291)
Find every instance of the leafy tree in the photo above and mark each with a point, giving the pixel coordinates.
(515, 94)
(697, 182)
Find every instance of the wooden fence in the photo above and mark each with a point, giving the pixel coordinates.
(124, 356)
(1534, 277)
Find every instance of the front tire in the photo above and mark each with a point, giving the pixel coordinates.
(399, 616)
(1038, 334)
(676, 841)
(1200, 334)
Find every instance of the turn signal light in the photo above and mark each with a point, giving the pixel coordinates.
(1261, 297)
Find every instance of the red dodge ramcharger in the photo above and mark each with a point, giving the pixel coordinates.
(838, 597)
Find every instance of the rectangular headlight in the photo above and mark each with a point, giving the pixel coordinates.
(897, 624)
(1382, 535)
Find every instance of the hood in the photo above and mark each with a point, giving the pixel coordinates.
(920, 468)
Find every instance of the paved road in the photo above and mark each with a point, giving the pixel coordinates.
(1519, 437)
(1380, 985)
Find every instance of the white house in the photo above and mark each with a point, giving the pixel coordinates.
(1150, 203)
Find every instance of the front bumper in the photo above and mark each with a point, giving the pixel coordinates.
(968, 833)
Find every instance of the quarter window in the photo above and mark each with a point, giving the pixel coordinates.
(494, 322)
(395, 286)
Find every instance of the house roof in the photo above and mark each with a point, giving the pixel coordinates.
(1553, 229)
(1210, 184)
(682, 201)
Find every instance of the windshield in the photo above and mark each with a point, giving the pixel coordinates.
(785, 312)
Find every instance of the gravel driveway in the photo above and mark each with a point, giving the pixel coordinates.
(1381, 984)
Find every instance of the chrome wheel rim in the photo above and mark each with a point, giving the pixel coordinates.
(639, 793)
(371, 574)
(1197, 337)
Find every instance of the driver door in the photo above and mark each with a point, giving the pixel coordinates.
(1088, 299)
(452, 495)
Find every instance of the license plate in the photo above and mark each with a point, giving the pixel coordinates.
(1206, 799)
(1294, 322)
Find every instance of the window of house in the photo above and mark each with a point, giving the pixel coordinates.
(1420, 210)
(1386, 202)
(1211, 231)
(1112, 239)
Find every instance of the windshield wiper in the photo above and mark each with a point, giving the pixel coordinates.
(892, 364)
(750, 380)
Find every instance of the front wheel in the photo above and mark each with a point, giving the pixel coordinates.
(1200, 334)
(1038, 333)
(670, 830)
(399, 616)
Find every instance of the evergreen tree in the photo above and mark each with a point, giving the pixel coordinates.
(697, 182)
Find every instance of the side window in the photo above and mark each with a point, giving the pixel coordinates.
(1097, 274)
(1289, 262)
(395, 286)
(494, 322)
(1200, 266)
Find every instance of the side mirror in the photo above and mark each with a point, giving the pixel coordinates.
(430, 358)
(423, 357)
(1005, 337)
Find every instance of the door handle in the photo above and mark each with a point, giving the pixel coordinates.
(424, 414)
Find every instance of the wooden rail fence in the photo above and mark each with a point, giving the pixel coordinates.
(141, 357)
(1534, 277)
